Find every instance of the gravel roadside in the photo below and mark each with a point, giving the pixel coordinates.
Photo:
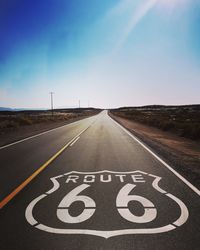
(182, 154)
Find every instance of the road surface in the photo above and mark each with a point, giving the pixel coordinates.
(91, 185)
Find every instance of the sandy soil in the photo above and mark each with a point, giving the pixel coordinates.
(183, 154)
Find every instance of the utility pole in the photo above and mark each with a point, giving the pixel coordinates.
(79, 103)
(51, 93)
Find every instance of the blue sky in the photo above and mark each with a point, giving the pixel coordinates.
(110, 52)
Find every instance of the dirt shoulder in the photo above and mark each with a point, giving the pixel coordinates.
(18, 133)
(181, 153)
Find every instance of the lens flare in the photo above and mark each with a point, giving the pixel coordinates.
(171, 4)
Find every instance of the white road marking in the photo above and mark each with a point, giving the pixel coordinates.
(55, 185)
(184, 214)
(73, 196)
(30, 178)
(190, 185)
(106, 234)
(123, 199)
(184, 211)
(155, 185)
(45, 132)
(29, 210)
(74, 141)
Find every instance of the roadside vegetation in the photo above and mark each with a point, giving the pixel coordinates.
(181, 120)
(14, 119)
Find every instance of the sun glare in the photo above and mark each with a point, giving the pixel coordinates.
(171, 4)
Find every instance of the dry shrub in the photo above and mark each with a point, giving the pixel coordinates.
(181, 121)
(25, 121)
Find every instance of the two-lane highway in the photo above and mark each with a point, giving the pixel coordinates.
(92, 185)
(20, 160)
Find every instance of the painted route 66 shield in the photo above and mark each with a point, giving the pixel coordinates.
(106, 204)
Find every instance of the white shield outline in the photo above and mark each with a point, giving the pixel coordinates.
(107, 234)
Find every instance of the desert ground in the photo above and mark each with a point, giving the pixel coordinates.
(172, 131)
(16, 125)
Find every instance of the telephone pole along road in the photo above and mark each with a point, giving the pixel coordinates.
(92, 185)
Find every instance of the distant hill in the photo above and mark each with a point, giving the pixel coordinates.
(19, 109)
(5, 109)
(158, 107)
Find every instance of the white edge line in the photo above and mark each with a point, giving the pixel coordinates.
(74, 141)
(197, 191)
(45, 132)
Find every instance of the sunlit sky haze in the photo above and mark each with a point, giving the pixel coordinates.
(105, 53)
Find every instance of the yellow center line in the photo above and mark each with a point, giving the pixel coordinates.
(40, 169)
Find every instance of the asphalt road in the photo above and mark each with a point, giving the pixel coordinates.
(99, 189)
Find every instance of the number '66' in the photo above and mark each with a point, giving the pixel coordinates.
(122, 200)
